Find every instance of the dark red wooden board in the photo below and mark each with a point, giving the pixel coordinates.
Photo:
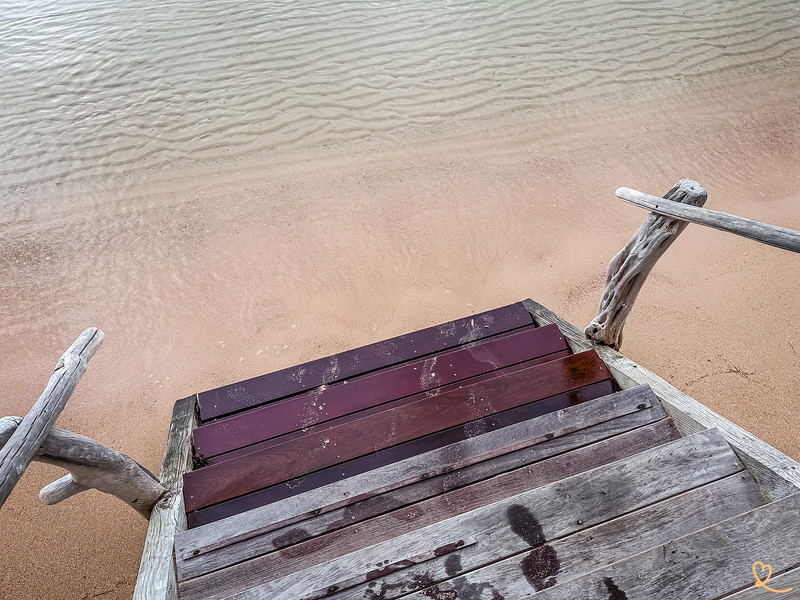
(329, 402)
(293, 380)
(231, 478)
(397, 453)
(375, 409)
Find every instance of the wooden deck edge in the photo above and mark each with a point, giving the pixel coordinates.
(777, 474)
(157, 579)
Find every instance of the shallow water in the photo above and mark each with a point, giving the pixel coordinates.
(230, 188)
(117, 88)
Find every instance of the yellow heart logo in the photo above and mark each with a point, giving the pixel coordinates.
(762, 583)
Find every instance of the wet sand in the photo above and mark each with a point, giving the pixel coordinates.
(205, 277)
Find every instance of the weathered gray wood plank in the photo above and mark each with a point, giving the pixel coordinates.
(157, 579)
(785, 581)
(373, 571)
(777, 474)
(273, 516)
(513, 524)
(773, 235)
(707, 564)
(377, 529)
(662, 431)
(16, 454)
(582, 552)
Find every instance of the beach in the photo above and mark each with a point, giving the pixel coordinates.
(208, 271)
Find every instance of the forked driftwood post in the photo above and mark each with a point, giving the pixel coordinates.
(90, 464)
(629, 269)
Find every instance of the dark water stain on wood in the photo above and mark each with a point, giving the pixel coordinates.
(452, 565)
(388, 569)
(525, 525)
(293, 536)
(614, 593)
(439, 594)
(541, 566)
(417, 582)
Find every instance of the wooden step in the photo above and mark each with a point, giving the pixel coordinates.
(509, 526)
(326, 403)
(562, 559)
(324, 371)
(449, 503)
(245, 474)
(493, 452)
(387, 456)
(709, 563)
(319, 428)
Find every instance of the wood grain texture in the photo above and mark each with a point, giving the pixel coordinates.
(91, 465)
(450, 503)
(325, 403)
(157, 578)
(772, 235)
(575, 555)
(324, 371)
(222, 481)
(372, 570)
(789, 580)
(707, 564)
(629, 269)
(777, 474)
(393, 454)
(513, 524)
(17, 452)
(660, 431)
(268, 518)
(376, 409)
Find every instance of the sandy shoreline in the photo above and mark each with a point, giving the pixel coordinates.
(201, 279)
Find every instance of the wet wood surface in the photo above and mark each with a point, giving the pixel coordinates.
(272, 386)
(509, 526)
(352, 417)
(397, 453)
(449, 503)
(226, 480)
(709, 563)
(325, 403)
(623, 406)
(372, 506)
(563, 559)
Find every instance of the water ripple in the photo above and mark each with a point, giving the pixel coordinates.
(106, 88)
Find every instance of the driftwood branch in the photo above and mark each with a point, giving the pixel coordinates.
(17, 453)
(780, 237)
(91, 465)
(629, 269)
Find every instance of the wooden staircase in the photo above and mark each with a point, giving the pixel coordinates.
(478, 460)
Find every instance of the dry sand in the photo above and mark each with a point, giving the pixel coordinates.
(201, 279)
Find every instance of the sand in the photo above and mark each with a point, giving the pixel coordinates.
(205, 277)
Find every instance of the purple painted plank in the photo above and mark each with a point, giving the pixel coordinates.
(397, 453)
(329, 402)
(293, 380)
(256, 470)
(351, 417)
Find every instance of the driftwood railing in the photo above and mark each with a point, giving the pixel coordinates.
(669, 216)
(90, 464)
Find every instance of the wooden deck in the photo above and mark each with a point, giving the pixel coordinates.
(493, 457)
